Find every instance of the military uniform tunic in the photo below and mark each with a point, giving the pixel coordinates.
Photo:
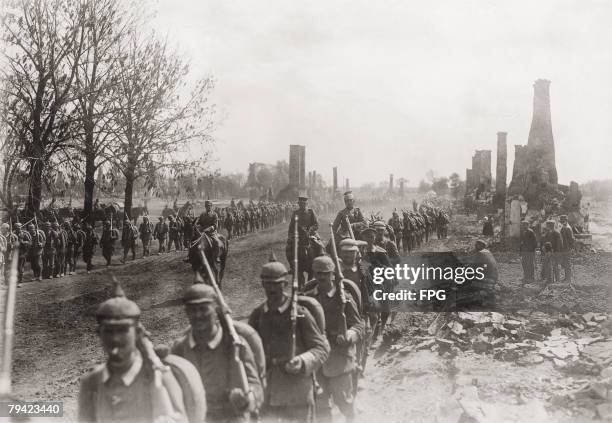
(285, 392)
(219, 372)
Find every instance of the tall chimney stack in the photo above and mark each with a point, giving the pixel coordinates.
(335, 180)
(501, 169)
(541, 141)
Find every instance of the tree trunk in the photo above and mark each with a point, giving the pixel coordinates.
(90, 183)
(35, 192)
(129, 189)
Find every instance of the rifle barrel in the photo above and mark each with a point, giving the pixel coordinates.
(8, 332)
(226, 314)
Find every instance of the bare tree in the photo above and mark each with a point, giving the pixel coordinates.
(104, 24)
(43, 44)
(158, 129)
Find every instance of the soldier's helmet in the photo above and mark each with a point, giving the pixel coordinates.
(47, 224)
(199, 293)
(208, 203)
(323, 264)
(31, 227)
(273, 271)
(4, 227)
(379, 224)
(76, 225)
(480, 244)
(349, 244)
(17, 225)
(117, 310)
(145, 218)
(107, 223)
(55, 225)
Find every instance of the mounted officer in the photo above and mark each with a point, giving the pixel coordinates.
(307, 227)
(208, 223)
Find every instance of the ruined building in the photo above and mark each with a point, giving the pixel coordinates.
(297, 173)
(534, 175)
(479, 176)
(297, 166)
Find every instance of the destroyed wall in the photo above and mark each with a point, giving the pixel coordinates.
(297, 166)
(534, 174)
(481, 170)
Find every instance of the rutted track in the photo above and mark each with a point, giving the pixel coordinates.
(56, 341)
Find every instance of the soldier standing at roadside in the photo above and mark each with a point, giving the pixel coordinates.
(146, 233)
(49, 251)
(128, 240)
(107, 241)
(78, 245)
(160, 233)
(89, 245)
(35, 251)
(60, 251)
(566, 251)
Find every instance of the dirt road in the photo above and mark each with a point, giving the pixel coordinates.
(56, 341)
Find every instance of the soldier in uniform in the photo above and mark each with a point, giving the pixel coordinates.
(289, 391)
(336, 376)
(128, 240)
(160, 233)
(146, 232)
(208, 346)
(71, 240)
(89, 245)
(107, 241)
(350, 212)
(307, 226)
(527, 248)
(4, 256)
(556, 245)
(23, 242)
(49, 251)
(398, 228)
(36, 251)
(173, 234)
(349, 250)
(566, 250)
(60, 251)
(126, 388)
(209, 224)
(78, 246)
(384, 242)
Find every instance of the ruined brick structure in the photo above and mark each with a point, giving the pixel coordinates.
(297, 166)
(479, 177)
(534, 175)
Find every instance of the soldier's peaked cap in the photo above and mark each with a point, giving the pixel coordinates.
(323, 264)
(379, 224)
(273, 271)
(348, 195)
(302, 195)
(199, 293)
(117, 310)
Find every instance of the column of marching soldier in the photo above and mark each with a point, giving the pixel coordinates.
(54, 249)
(296, 358)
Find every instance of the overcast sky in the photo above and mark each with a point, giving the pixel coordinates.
(379, 87)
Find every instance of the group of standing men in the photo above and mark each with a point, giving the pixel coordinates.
(555, 249)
